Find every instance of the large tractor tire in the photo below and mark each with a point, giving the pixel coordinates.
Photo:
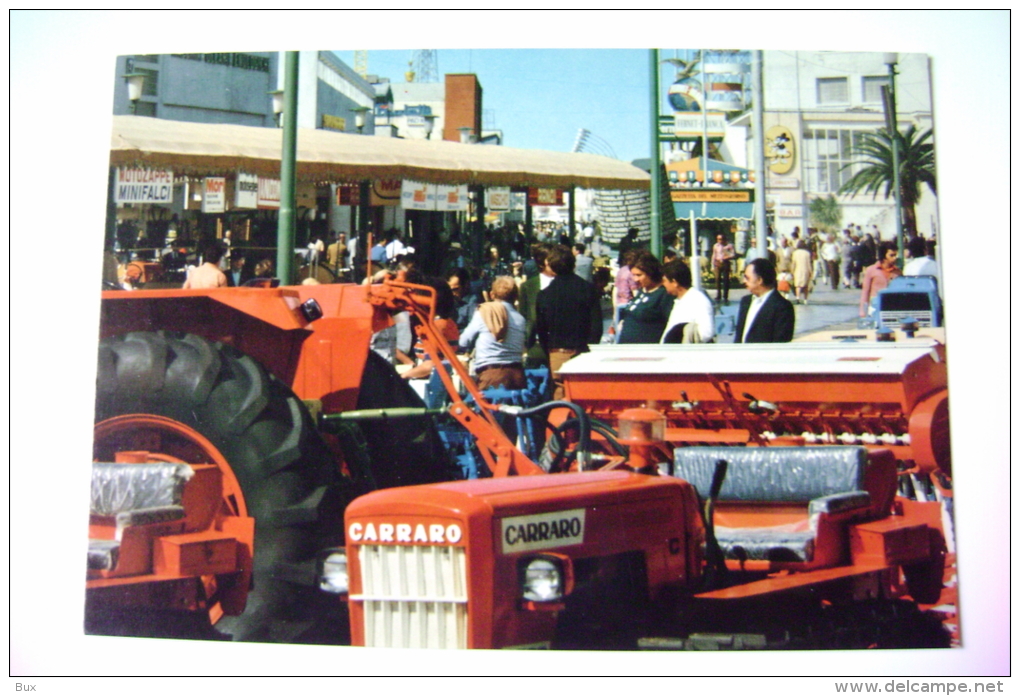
(287, 478)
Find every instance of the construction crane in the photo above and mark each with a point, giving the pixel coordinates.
(423, 66)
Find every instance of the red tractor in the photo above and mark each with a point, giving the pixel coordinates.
(234, 427)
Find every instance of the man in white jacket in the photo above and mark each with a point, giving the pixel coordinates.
(693, 318)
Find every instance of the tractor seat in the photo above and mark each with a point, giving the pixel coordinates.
(126, 495)
(782, 505)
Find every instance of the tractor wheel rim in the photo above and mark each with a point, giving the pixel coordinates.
(174, 441)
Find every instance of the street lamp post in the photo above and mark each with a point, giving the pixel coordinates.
(889, 104)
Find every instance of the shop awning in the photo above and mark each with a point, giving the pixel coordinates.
(200, 149)
(723, 177)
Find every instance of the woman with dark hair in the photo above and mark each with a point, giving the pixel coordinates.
(645, 316)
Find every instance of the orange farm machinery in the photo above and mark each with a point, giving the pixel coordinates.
(259, 473)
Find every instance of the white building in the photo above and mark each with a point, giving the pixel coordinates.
(417, 110)
(825, 100)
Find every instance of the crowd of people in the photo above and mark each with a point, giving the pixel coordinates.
(548, 308)
(852, 260)
(541, 304)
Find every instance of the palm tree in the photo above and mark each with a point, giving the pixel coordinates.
(825, 213)
(917, 166)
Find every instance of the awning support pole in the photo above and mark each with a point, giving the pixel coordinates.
(758, 111)
(695, 259)
(288, 170)
(570, 213)
(654, 192)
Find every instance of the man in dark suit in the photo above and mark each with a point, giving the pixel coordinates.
(239, 274)
(528, 303)
(568, 315)
(765, 316)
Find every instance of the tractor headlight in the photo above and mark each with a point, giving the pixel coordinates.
(333, 574)
(543, 580)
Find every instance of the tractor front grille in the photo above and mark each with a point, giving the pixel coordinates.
(413, 596)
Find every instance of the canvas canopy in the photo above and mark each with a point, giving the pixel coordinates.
(201, 149)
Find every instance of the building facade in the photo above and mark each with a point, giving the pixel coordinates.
(236, 88)
(817, 106)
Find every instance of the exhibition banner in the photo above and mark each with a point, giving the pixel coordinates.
(246, 192)
(144, 186)
(414, 195)
(214, 194)
(451, 198)
(269, 193)
(497, 199)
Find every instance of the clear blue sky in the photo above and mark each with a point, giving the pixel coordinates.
(540, 98)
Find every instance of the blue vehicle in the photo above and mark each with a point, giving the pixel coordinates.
(906, 297)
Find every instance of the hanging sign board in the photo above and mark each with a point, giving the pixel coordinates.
(246, 192)
(452, 198)
(542, 196)
(214, 194)
(693, 126)
(268, 193)
(385, 192)
(415, 195)
(711, 196)
(497, 199)
(348, 194)
(334, 123)
(144, 186)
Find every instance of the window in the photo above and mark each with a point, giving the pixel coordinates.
(145, 108)
(150, 88)
(826, 152)
(832, 90)
(872, 88)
